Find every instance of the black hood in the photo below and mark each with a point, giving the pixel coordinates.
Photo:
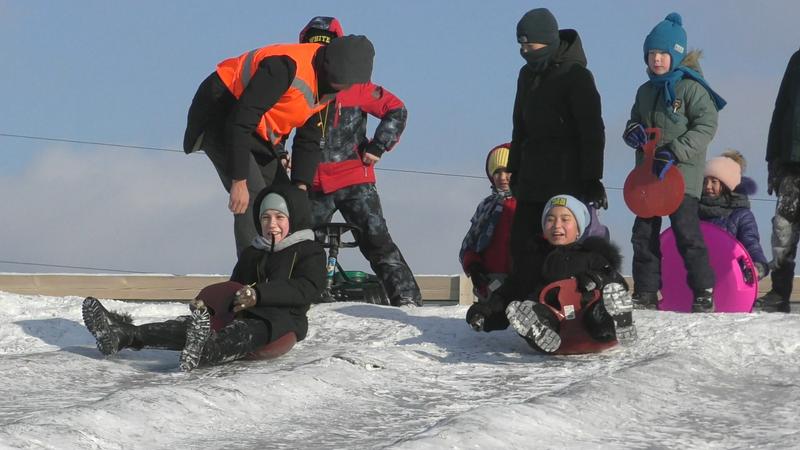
(570, 51)
(297, 202)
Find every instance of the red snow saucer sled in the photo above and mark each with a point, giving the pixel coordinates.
(564, 299)
(218, 298)
(646, 195)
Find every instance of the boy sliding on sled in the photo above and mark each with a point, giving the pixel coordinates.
(593, 262)
(283, 272)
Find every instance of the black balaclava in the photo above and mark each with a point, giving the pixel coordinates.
(538, 25)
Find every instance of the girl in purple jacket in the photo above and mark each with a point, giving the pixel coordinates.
(725, 203)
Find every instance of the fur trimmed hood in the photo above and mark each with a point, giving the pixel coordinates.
(606, 249)
(748, 187)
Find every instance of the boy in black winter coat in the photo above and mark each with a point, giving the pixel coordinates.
(283, 272)
(593, 262)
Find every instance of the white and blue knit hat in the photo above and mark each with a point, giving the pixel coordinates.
(577, 207)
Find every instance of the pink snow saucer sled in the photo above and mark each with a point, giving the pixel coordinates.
(733, 291)
(218, 298)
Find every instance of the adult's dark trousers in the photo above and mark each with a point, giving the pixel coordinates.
(264, 170)
(785, 235)
(360, 205)
(526, 260)
(691, 246)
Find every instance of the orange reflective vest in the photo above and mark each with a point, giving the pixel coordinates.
(296, 105)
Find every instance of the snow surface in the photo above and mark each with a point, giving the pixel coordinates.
(374, 377)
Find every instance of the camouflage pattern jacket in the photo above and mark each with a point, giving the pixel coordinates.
(341, 132)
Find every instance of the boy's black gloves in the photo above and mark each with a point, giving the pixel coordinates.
(477, 273)
(634, 135)
(595, 192)
(489, 315)
(664, 159)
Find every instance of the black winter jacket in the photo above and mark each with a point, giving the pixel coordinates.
(558, 136)
(594, 254)
(287, 279)
(783, 143)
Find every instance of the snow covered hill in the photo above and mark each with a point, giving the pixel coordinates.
(375, 377)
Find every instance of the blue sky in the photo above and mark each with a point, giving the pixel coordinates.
(125, 72)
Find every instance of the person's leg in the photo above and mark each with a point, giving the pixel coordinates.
(360, 205)
(322, 208)
(262, 173)
(692, 248)
(785, 234)
(527, 261)
(646, 267)
(114, 331)
(235, 341)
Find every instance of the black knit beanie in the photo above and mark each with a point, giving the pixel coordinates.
(348, 60)
(538, 25)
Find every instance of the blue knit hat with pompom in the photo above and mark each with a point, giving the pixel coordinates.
(668, 36)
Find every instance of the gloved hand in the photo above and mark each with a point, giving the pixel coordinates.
(762, 270)
(477, 273)
(747, 273)
(664, 159)
(479, 313)
(775, 173)
(244, 298)
(634, 135)
(595, 192)
(590, 280)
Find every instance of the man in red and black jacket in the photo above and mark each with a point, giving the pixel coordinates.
(345, 178)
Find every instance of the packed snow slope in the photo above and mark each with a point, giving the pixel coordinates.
(374, 377)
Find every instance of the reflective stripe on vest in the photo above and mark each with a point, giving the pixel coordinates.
(296, 105)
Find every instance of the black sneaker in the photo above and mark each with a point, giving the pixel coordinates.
(619, 304)
(196, 336)
(772, 302)
(645, 300)
(704, 301)
(523, 318)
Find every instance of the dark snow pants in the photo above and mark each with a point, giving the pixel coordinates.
(785, 234)
(233, 342)
(691, 246)
(361, 206)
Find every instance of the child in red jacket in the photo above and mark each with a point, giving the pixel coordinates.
(485, 253)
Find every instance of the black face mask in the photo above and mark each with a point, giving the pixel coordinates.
(537, 59)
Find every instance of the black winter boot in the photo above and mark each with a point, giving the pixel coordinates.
(524, 318)
(113, 331)
(645, 300)
(619, 304)
(772, 302)
(197, 333)
(703, 301)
